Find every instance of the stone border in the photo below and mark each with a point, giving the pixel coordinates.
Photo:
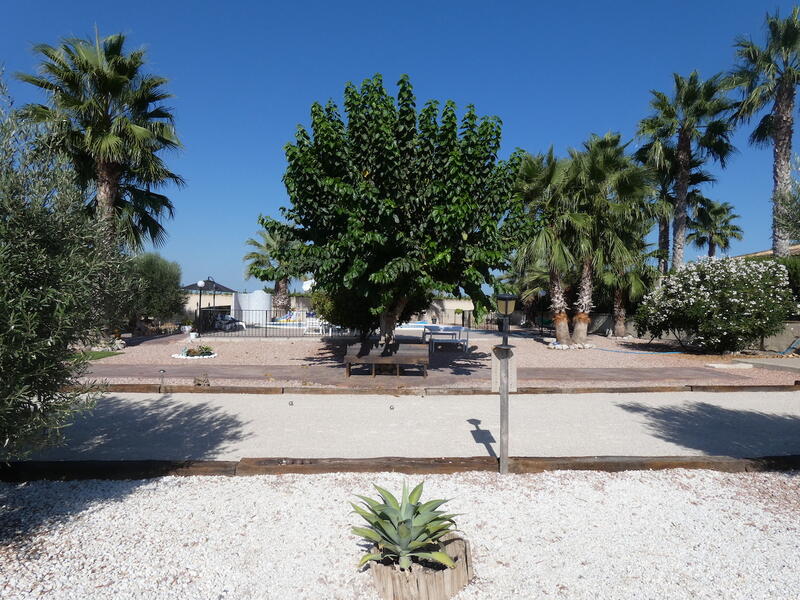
(154, 388)
(146, 469)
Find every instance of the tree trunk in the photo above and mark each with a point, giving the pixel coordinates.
(663, 245)
(558, 304)
(107, 194)
(583, 306)
(619, 314)
(684, 157)
(389, 321)
(783, 124)
(281, 302)
(712, 249)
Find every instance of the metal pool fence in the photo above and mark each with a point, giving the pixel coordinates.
(225, 322)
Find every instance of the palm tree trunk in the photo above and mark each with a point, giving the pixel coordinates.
(712, 249)
(281, 303)
(783, 123)
(558, 304)
(107, 193)
(663, 245)
(619, 314)
(684, 156)
(583, 306)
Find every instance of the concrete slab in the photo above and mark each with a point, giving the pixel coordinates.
(776, 364)
(230, 427)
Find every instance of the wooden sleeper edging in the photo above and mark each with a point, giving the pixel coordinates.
(145, 469)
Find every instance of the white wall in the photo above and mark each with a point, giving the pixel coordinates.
(254, 308)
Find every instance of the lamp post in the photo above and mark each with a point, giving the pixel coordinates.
(505, 306)
(200, 284)
(213, 291)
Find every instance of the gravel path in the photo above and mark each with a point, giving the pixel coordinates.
(670, 534)
(311, 356)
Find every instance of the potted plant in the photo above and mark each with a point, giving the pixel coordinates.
(416, 553)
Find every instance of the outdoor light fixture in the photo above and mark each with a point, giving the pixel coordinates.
(505, 304)
(200, 284)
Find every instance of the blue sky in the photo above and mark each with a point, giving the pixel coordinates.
(244, 75)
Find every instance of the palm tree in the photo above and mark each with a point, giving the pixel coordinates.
(713, 225)
(695, 121)
(663, 201)
(770, 75)
(611, 188)
(106, 115)
(262, 258)
(541, 185)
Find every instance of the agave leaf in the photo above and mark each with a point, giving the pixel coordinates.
(415, 495)
(368, 557)
(440, 557)
(431, 505)
(388, 498)
(418, 545)
(373, 505)
(404, 562)
(368, 516)
(367, 533)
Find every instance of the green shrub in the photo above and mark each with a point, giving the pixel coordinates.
(792, 264)
(61, 279)
(719, 305)
(406, 530)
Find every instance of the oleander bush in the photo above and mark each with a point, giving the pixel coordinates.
(719, 305)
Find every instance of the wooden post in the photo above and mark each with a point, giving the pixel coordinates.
(504, 410)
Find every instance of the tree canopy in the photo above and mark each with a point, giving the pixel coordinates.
(390, 205)
(158, 282)
(108, 117)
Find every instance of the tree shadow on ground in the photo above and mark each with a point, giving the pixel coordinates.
(457, 362)
(330, 354)
(722, 431)
(658, 346)
(115, 430)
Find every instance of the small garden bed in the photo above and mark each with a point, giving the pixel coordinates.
(196, 353)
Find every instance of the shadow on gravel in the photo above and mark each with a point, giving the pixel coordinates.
(115, 430)
(721, 431)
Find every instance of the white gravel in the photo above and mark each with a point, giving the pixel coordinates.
(669, 534)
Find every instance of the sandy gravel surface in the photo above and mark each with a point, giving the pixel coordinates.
(530, 351)
(664, 535)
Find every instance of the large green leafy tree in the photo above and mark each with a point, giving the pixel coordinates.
(695, 120)
(713, 225)
(392, 205)
(108, 117)
(768, 75)
(60, 286)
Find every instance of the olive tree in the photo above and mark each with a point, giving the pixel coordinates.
(60, 286)
(390, 205)
(158, 290)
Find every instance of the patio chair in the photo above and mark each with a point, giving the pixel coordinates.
(314, 326)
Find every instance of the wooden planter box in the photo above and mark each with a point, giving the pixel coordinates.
(423, 583)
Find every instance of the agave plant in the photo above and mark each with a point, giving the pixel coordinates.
(406, 529)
